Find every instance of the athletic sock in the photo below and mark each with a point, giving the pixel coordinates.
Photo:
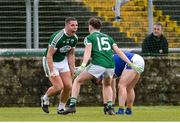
(109, 104)
(61, 106)
(45, 97)
(72, 102)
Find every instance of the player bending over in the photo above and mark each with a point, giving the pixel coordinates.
(128, 78)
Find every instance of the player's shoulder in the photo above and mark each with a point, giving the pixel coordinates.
(58, 33)
(91, 36)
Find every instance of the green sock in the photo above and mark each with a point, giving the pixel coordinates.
(72, 101)
(109, 103)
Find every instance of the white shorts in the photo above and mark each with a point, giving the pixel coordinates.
(58, 67)
(97, 71)
(138, 60)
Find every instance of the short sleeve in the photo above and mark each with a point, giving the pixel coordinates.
(87, 41)
(53, 42)
(112, 41)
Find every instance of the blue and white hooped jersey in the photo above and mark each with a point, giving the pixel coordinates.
(120, 64)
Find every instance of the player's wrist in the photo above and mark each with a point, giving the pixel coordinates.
(130, 64)
(83, 64)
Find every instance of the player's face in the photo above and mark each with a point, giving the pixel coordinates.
(157, 30)
(71, 27)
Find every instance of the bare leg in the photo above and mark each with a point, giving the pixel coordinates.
(107, 91)
(126, 78)
(81, 79)
(130, 91)
(113, 85)
(107, 96)
(56, 88)
(65, 93)
(103, 94)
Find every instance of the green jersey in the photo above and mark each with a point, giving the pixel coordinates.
(62, 43)
(102, 53)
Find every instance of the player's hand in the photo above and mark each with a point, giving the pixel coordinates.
(80, 69)
(137, 68)
(53, 74)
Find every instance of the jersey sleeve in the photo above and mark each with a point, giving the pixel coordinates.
(87, 41)
(112, 41)
(53, 42)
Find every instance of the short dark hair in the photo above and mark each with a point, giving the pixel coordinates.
(95, 22)
(158, 24)
(70, 19)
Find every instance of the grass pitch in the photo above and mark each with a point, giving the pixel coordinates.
(140, 113)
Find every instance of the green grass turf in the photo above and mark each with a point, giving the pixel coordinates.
(140, 113)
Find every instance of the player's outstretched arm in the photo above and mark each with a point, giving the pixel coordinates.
(137, 68)
(86, 57)
(71, 61)
(121, 54)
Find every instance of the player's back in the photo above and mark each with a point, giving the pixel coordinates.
(102, 53)
(120, 64)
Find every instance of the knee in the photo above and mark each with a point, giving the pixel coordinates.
(107, 83)
(121, 86)
(78, 81)
(129, 89)
(68, 87)
(59, 88)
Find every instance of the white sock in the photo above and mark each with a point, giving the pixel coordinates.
(61, 106)
(45, 97)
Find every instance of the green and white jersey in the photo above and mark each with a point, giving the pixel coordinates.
(62, 43)
(102, 53)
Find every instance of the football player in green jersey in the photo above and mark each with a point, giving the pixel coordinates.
(99, 47)
(59, 64)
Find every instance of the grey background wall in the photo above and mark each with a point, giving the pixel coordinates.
(22, 82)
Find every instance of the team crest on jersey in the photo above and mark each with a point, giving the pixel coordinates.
(71, 41)
(65, 49)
